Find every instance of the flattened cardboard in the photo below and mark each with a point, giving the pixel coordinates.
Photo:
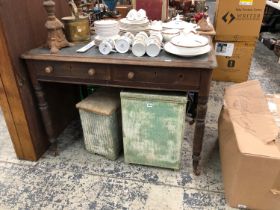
(250, 157)
(238, 20)
(235, 68)
(274, 108)
(249, 110)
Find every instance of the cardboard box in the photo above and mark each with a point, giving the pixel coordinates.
(238, 20)
(250, 148)
(234, 60)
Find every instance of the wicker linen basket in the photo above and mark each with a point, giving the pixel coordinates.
(101, 123)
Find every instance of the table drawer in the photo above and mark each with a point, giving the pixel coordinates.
(73, 70)
(156, 75)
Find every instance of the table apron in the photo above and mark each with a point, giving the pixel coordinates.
(127, 76)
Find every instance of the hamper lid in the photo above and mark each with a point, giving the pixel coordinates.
(173, 97)
(104, 101)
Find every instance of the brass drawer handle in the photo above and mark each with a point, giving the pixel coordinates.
(91, 72)
(130, 75)
(49, 69)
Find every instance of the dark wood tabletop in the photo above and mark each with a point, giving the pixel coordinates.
(93, 56)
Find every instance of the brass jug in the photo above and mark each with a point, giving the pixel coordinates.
(77, 27)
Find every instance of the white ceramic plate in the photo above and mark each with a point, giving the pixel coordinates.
(105, 22)
(107, 28)
(186, 52)
(134, 29)
(134, 22)
(107, 33)
(190, 41)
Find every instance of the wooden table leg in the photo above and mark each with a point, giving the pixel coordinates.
(42, 103)
(44, 108)
(199, 132)
(200, 119)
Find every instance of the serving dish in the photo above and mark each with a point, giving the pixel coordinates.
(186, 52)
(191, 40)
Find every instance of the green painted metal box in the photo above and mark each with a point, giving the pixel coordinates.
(153, 128)
(101, 122)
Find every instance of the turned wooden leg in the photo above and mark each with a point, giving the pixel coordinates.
(44, 108)
(202, 101)
(199, 132)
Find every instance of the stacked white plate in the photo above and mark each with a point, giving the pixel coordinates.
(106, 29)
(134, 26)
(188, 45)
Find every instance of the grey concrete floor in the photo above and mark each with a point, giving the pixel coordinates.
(78, 180)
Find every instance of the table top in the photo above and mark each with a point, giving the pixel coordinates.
(274, 5)
(69, 54)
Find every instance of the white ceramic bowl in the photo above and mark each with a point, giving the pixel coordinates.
(105, 23)
(169, 34)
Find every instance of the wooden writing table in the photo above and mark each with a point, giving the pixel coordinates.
(165, 72)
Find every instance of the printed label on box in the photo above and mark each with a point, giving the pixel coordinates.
(149, 105)
(231, 63)
(246, 2)
(224, 49)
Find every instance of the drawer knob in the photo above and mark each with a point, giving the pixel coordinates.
(91, 72)
(49, 69)
(130, 75)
